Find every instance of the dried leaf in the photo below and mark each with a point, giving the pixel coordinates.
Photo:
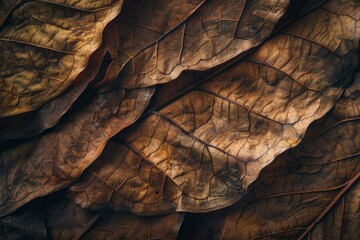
(309, 192)
(50, 162)
(201, 152)
(122, 179)
(20, 126)
(158, 40)
(139, 25)
(43, 49)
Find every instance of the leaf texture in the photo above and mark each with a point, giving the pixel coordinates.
(217, 119)
(309, 192)
(201, 152)
(158, 40)
(43, 49)
(33, 123)
(44, 164)
(139, 25)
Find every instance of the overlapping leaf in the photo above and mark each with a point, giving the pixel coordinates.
(157, 40)
(59, 219)
(32, 123)
(196, 152)
(66, 220)
(309, 192)
(202, 151)
(44, 45)
(115, 226)
(145, 23)
(50, 162)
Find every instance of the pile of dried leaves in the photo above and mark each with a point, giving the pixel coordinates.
(187, 119)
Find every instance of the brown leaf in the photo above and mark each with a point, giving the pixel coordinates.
(50, 162)
(158, 40)
(309, 192)
(201, 152)
(32, 123)
(122, 179)
(43, 49)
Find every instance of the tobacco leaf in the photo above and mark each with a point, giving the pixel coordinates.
(43, 49)
(201, 152)
(33, 123)
(52, 161)
(157, 40)
(139, 25)
(309, 192)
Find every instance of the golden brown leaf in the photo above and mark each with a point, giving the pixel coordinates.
(50, 162)
(127, 182)
(32, 123)
(139, 25)
(202, 151)
(309, 192)
(43, 49)
(158, 40)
